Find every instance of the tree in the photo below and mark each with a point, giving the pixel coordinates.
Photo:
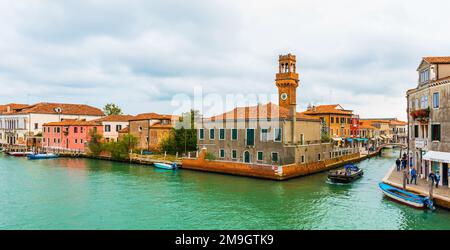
(94, 144)
(112, 109)
(183, 137)
(120, 149)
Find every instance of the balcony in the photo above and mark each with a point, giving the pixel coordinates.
(421, 115)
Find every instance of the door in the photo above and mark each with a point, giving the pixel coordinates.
(444, 174)
(247, 157)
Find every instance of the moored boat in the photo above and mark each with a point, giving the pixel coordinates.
(19, 154)
(345, 175)
(172, 166)
(405, 197)
(41, 156)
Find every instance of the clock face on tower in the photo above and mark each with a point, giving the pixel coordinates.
(284, 96)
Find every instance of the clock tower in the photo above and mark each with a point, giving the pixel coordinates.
(287, 81)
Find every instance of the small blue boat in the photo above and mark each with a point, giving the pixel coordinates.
(41, 156)
(405, 197)
(172, 166)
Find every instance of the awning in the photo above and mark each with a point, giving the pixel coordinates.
(383, 136)
(389, 136)
(336, 139)
(349, 140)
(437, 156)
(361, 139)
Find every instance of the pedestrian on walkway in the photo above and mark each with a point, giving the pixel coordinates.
(438, 178)
(403, 163)
(432, 178)
(414, 176)
(398, 162)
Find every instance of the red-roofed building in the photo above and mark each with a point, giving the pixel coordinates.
(112, 124)
(151, 129)
(22, 124)
(69, 134)
(271, 134)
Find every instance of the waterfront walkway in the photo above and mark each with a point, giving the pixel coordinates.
(441, 194)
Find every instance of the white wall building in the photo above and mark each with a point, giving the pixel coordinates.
(113, 124)
(21, 124)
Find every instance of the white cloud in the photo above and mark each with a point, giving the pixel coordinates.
(362, 54)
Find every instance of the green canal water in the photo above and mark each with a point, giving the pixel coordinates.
(92, 194)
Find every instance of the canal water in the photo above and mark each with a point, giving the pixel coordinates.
(94, 194)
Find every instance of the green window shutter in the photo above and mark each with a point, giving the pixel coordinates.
(275, 157)
(260, 156)
(234, 134)
(250, 137)
(222, 134)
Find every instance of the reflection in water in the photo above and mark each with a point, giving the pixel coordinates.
(92, 194)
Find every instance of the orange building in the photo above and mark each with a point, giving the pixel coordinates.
(336, 121)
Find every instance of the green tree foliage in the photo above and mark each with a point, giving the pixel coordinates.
(183, 138)
(112, 109)
(120, 149)
(94, 143)
(210, 156)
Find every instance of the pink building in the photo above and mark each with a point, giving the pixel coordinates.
(69, 134)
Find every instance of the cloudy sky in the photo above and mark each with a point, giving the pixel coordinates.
(139, 54)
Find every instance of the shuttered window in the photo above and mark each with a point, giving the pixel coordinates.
(436, 132)
(250, 137)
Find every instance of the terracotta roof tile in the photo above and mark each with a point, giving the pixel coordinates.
(125, 130)
(437, 59)
(327, 109)
(64, 108)
(12, 107)
(151, 116)
(265, 111)
(73, 122)
(115, 118)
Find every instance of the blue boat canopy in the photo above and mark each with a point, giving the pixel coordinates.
(349, 139)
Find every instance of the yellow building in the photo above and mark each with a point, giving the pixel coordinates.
(336, 121)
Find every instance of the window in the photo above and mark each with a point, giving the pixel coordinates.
(59, 141)
(277, 134)
(303, 159)
(349, 120)
(75, 129)
(234, 154)
(332, 120)
(212, 134)
(416, 131)
(342, 120)
(274, 157)
(260, 156)
(318, 157)
(201, 134)
(436, 132)
(54, 140)
(222, 153)
(81, 129)
(58, 130)
(222, 134)
(81, 141)
(36, 126)
(76, 141)
(118, 128)
(436, 100)
(424, 76)
(302, 139)
(250, 138)
(140, 129)
(234, 134)
(107, 128)
(264, 133)
(424, 102)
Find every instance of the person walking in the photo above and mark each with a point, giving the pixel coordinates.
(397, 163)
(403, 163)
(438, 178)
(413, 176)
(432, 178)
